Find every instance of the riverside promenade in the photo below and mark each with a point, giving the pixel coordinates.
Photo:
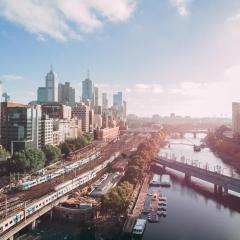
(129, 224)
(141, 198)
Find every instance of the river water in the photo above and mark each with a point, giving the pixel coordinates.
(191, 214)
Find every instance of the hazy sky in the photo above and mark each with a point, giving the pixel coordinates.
(179, 56)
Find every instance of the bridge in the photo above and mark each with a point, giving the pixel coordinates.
(221, 182)
(194, 132)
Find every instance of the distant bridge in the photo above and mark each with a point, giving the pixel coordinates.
(220, 181)
(194, 132)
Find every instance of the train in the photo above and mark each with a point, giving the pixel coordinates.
(57, 192)
(31, 183)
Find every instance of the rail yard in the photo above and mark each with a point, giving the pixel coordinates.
(86, 165)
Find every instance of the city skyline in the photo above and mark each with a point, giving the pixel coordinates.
(172, 53)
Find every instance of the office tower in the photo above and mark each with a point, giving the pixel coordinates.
(21, 126)
(236, 119)
(117, 99)
(66, 93)
(87, 90)
(42, 95)
(124, 109)
(95, 96)
(81, 111)
(104, 101)
(51, 86)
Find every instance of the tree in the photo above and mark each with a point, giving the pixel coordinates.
(4, 155)
(29, 160)
(65, 149)
(52, 153)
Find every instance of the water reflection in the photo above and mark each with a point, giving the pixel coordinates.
(194, 212)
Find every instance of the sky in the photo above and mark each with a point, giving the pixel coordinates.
(167, 56)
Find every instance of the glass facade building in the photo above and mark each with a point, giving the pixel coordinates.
(24, 128)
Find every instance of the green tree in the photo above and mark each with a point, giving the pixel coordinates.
(29, 160)
(4, 155)
(52, 153)
(65, 149)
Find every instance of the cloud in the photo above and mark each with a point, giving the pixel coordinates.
(182, 6)
(10, 77)
(146, 88)
(65, 19)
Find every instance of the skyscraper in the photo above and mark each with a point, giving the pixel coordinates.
(117, 99)
(66, 93)
(124, 109)
(104, 101)
(49, 93)
(87, 89)
(95, 96)
(52, 87)
(42, 95)
(236, 119)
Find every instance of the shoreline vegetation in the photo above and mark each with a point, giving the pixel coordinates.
(228, 151)
(119, 201)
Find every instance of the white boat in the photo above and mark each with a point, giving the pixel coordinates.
(162, 208)
(162, 213)
(156, 180)
(162, 199)
(162, 203)
(165, 181)
(139, 226)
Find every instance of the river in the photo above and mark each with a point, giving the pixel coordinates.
(192, 214)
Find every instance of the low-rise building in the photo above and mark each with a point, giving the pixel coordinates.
(106, 134)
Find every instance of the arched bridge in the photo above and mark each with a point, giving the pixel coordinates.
(220, 181)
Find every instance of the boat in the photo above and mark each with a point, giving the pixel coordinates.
(196, 148)
(162, 208)
(165, 180)
(162, 199)
(156, 180)
(162, 213)
(162, 203)
(139, 227)
(153, 218)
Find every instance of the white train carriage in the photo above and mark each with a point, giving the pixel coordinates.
(60, 190)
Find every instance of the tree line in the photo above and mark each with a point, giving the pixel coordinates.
(32, 160)
(117, 199)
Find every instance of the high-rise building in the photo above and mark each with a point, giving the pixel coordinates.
(124, 109)
(47, 130)
(66, 93)
(52, 86)
(95, 96)
(87, 90)
(21, 126)
(117, 99)
(81, 111)
(42, 95)
(236, 119)
(104, 101)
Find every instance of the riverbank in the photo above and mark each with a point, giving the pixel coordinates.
(228, 151)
